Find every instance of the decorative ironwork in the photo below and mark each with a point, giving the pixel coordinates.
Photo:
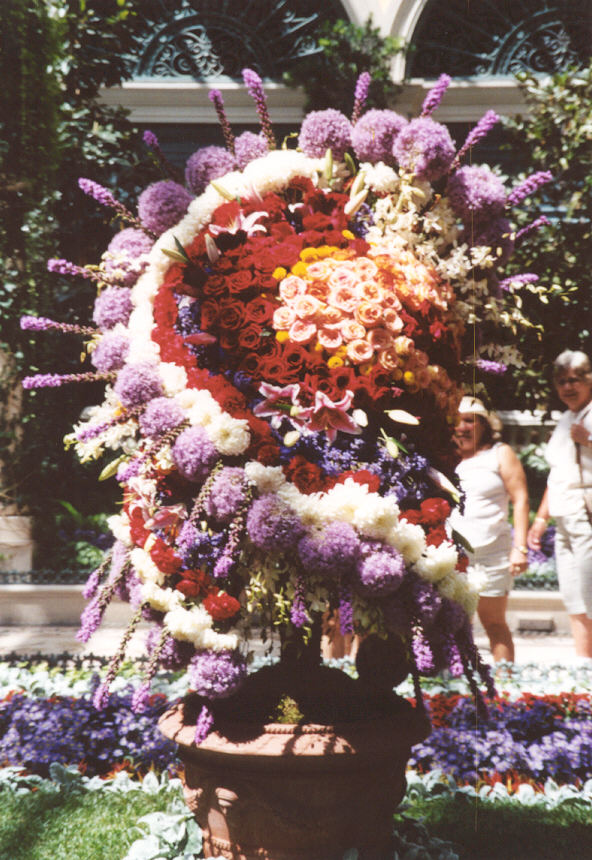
(205, 40)
(488, 37)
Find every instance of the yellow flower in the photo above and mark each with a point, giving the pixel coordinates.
(299, 269)
(347, 234)
(307, 255)
(408, 377)
(335, 361)
(282, 336)
(279, 273)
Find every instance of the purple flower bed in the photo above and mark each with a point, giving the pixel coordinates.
(35, 732)
(530, 739)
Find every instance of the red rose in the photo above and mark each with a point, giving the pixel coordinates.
(249, 337)
(193, 583)
(274, 368)
(436, 535)
(239, 281)
(210, 312)
(260, 310)
(434, 511)
(229, 340)
(307, 476)
(230, 399)
(164, 557)
(221, 605)
(231, 315)
(139, 533)
(215, 285)
(252, 365)
(295, 357)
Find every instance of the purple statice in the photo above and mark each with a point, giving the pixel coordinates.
(125, 257)
(518, 280)
(476, 193)
(360, 95)
(104, 197)
(249, 146)
(216, 674)
(452, 617)
(483, 127)
(494, 368)
(325, 129)
(422, 654)
(113, 305)
(173, 654)
(161, 415)
(29, 323)
(499, 237)
(138, 383)
(90, 619)
(298, 614)
(200, 548)
(91, 585)
(435, 95)
(543, 221)
(330, 551)
(55, 380)
(227, 493)
(254, 86)
(374, 134)
(203, 725)
(380, 571)
(119, 570)
(162, 204)
(427, 601)
(207, 163)
(215, 96)
(528, 186)
(424, 148)
(141, 698)
(346, 610)
(194, 454)
(110, 352)
(64, 267)
(273, 526)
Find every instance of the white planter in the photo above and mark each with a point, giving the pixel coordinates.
(16, 544)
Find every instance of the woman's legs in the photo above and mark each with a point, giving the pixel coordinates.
(581, 630)
(492, 615)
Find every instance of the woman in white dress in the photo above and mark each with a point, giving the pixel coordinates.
(491, 476)
(568, 495)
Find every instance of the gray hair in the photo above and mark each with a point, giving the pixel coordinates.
(573, 360)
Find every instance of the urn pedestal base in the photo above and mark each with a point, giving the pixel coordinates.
(296, 792)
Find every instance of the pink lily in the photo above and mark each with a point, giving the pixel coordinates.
(330, 415)
(246, 223)
(277, 402)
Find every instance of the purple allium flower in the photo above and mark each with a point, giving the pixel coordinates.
(374, 134)
(249, 146)
(518, 280)
(272, 525)
(194, 454)
(381, 572)
(360, 95)
(499, 237)
(325, 129)
(125, 258)
(110, 352)
(161, 415)
(162, 205)
(216, 674)
(227, 493)
(113, 305)
(207, 163)
(543, 221)
(528, 186)
(425, 148)
(476, 192)
(138, 383)
(495, 368)
(215, 96)
(483, 127)
(331, 551)
(435, 95)
(254, 86)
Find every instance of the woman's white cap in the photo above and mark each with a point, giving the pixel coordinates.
(475, 406)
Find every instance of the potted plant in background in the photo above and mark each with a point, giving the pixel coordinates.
(284, 339)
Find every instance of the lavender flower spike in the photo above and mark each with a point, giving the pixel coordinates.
(29, 323)
(518, 280)
(65, 267)
(254, 86)
(105, 198)
(534, 225)
(215, 96)
(483, 127)
(528, 186)
(435, 95)
(360, 95)
(55, 380)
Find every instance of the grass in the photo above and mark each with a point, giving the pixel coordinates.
(89, 826)
(507, 831)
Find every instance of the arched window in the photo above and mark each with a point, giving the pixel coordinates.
(466, 38)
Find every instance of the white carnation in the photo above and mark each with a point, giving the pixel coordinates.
(189, 625)
(267, 479)
(409, 539)
(231, 436)
(437, 562)
(377, 517)
(161, 599)
(174, 378)
(119, 525)
(380, 177)
(145, 567)
(203, 409)
(343, 500)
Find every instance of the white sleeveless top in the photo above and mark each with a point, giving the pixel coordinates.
(564, 482)
(485, 518)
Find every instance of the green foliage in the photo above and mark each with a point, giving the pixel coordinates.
(55, 130)
(556, 135)
(347, 50)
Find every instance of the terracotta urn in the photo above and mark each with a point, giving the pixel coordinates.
(307, 791)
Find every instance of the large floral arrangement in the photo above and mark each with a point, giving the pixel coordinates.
(283, 339)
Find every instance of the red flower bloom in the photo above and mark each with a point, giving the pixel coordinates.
(361, 476)
(164, 557)
(434, 511)
(193, 583)
(249, 337)
(221, 605)
(436, 535)
(231, 315)
(138, 531)
(307, 476)
(260, 311)
(239, 281)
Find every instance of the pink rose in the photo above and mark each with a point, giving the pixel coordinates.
(379, 339)
(329, 338)
(319, 269)
(352, 330)
(389, 359)
(343, 276)
(290, 287)
(344, 298)
(392, 320)
(359, 351)
(369, 314)
(302, 331)
(365, 268)
(305, 306)
(283, 318)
